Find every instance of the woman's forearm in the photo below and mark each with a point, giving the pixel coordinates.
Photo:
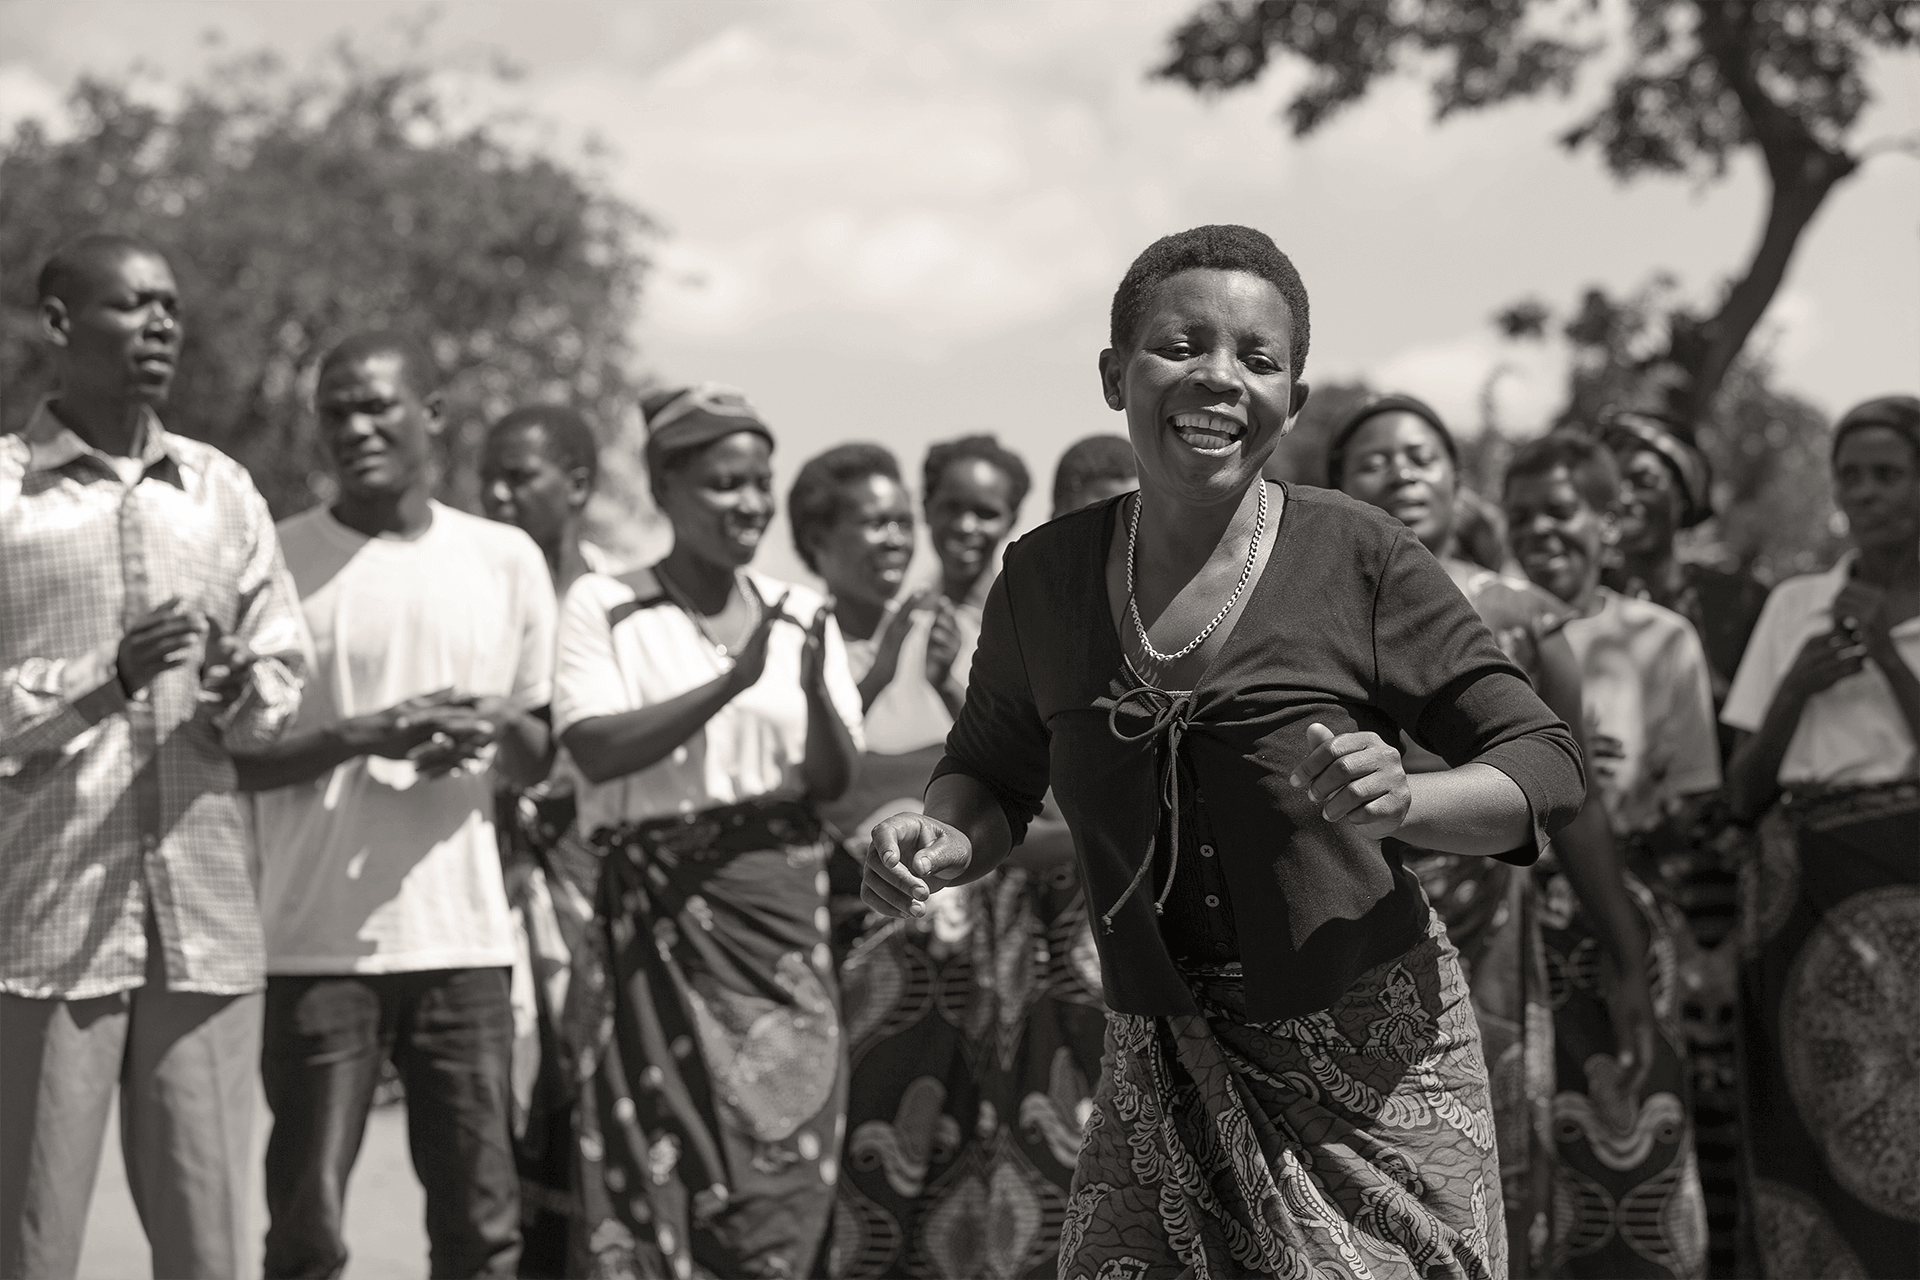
(1753, 774)
(613, 746)
(967, 805)
(1474, 809)
(831, 760)
(1593, 865)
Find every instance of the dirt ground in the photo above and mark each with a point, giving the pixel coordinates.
(385, 1238)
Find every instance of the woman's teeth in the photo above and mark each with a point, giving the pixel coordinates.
(1208, 432)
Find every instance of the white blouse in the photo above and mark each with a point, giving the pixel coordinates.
(623, 645)
(1851, 733)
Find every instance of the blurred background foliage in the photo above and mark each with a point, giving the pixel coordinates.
(297, 208)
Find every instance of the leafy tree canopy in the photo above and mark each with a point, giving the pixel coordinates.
(296, 209)
(1698, 80)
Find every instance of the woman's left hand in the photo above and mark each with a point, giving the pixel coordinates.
(1355, 778)
(813, 654)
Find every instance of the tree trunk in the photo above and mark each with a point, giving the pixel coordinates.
(1711, 349)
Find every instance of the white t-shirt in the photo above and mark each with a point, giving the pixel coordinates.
(1851, 733)
(1648, 695)
(623, 645)
(907, 715)
(369, 868)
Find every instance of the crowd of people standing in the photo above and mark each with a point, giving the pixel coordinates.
(1231, 876)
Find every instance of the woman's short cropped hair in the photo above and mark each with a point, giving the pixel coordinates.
(1589, 463)
(984, 448)
(816, 499)
(1218, 248)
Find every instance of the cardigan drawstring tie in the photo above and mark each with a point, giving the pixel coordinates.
(1169, 714)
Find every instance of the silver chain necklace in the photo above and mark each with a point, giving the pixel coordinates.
(699, 623)
(1246, 575)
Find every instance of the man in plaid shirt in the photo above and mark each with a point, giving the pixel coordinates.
(148, 628)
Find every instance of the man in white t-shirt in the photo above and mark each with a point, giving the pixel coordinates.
(388, 934)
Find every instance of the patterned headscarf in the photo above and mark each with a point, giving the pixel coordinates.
(697, 415)
(1896, 413)
(1624, 431)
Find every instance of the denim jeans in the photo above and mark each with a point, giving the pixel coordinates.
(449, 1032)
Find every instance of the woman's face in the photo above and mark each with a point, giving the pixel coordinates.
(1877, 483)
(1397, 462)
(1650, 503)
(969, 513)
(1557, 535)
(864, 554)
(721, 500)
(1206, 386)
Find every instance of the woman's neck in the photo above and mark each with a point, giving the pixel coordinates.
(705, 584)
(859, 617)
(1657, 571)
(1588, 599)
(1889, 566)
(1182, 537)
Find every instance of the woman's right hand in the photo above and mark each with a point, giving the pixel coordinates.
(750, 661)
(1824, 661)
(912, 857)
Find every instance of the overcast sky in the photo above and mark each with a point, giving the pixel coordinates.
(903, 219)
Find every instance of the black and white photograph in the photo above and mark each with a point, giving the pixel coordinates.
(852, 639)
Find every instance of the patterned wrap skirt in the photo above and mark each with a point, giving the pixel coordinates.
(976, 1039)
(1627, 1196)
(1355, 1141)
(719, 1097)
(1830, 1036)
(1492, 916)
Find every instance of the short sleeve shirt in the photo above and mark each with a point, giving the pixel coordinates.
(371, 868)
(1648, 696)
(1851, 733)
(624, 645)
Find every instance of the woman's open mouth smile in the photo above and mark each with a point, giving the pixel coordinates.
(1208, 433)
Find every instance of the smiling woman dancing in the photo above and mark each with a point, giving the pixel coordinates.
(1211, 676)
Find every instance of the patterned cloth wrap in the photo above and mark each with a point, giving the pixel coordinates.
(1627, 1196)
(1355, 1141)
(720, 1094)
(976, 1038)
(1830, 1035)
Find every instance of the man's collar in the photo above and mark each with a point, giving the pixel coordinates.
(52, 444)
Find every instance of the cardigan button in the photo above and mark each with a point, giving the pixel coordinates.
(1206, 851)
(1213, 899)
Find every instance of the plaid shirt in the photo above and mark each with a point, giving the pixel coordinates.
(107, 802)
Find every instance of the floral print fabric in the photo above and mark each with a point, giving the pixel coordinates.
(1355, 1141)
(713, 1144)
(975, 1040)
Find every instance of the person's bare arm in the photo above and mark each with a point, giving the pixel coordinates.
(831, 760)
(1592, 862)
(1753, 773)
(962, 837)
(304, 755)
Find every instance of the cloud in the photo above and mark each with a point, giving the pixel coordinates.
(27, 95)
(1463, 377)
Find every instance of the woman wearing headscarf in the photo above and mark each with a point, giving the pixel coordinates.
(1827, 708)
(709, 708)
(1212, 674)
(1668, 488)
(1395, 453)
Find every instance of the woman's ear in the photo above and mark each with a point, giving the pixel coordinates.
(1112, 378)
